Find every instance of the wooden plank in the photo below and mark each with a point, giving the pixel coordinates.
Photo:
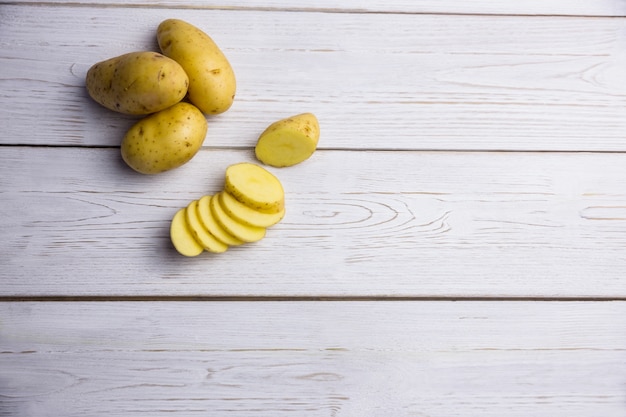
(79, 222)
(528, 7)
(319, 359)
(444, 82)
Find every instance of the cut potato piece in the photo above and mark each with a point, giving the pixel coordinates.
(181, 236)
(288, 141)
(244, 214)
(208, 221)
(255, 187)
(239, 230)
(202, 235)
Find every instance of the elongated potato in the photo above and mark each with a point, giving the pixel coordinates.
(255, 187)
(164, 140)
(212, 83)
(244, 214)
(202, 235)
(288, 141)
(241, 231)
(212, 225)
(137, 83)
(181, 236)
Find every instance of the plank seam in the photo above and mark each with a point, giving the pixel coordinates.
(303, 10)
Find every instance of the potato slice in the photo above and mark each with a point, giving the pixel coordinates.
(208, 221)
(244, 214)
(239, 230)
(202, 235)
(255, 187)
(181, 236)
(289, 141)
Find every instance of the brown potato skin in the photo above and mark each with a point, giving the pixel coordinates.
(212, 83)
(137, 83)
(164, 140)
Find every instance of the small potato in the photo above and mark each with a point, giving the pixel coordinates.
(212, 82)
(289, 141)
(164, 140)
(137, 83)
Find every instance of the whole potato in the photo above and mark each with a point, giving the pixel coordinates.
(164, 140)
(137, 83)
(212, 82)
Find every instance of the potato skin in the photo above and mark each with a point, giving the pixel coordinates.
(212, 83)
(165, 140)
(137, 83)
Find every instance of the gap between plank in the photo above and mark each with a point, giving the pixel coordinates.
(242, 298)
(300, 10)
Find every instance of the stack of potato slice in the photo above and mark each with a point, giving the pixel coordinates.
(252, 200)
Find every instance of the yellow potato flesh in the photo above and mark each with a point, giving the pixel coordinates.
(241, 231)
(212, 83)
(289, 141)
(255, 187)
(245, 214)
(181, 236)
(202, 235)
(137, 83)
(209, 221)
(164, 140)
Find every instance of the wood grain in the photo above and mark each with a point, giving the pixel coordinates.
(376, 81)
(468, 224)
(315, 359)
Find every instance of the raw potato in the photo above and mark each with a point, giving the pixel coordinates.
(164, 140)
(181, 236)
(137, 83)
(212, 83)
(200, 233)
(241, 231)
(245, 214)
(289, 141)
(212, 225)
(255, 187)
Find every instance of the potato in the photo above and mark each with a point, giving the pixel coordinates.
(212, 83)
(241, 231)
(165, 140)
(181, 236)
(137, 83)
(289, 141)
(255, 187)
(245, 214)
(200, 233)
(209, 221)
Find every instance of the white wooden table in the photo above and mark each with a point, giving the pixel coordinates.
(456, 247)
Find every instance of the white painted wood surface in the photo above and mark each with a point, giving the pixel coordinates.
(466, 213)
(376, 81)
(357, 223)
(314, 359)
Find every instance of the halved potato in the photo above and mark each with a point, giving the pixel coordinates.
(288, 141)
(211, 224)
(182, 237)
(202, 235)
(244, 214)
(239, 230)
(255, 187)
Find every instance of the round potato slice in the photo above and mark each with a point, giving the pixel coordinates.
(202, 235)
(239, 230)
(255, 187)
(244, 214)
(181, 236)
(209, 222)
